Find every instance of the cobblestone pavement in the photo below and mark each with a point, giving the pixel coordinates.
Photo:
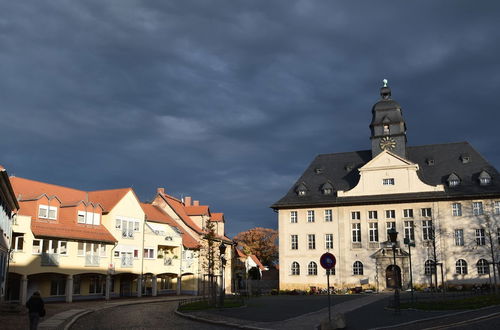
(143, 316)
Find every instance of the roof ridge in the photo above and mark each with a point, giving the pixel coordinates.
(46, 183)
(115, 189)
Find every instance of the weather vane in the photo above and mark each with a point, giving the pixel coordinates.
(385, 82)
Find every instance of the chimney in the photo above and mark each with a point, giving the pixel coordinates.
(196, 203)
(187, 201)
(160, 191)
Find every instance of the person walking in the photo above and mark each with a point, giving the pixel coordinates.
(36, 309)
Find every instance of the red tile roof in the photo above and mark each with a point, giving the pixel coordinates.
(76, 232)
(197, 210)
(257, 261)
(178, 208)
(217, 217)
(26, 187)
(108, 198)
(155, 214)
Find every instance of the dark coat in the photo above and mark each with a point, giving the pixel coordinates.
(35, 304)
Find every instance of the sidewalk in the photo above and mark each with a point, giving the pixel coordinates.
(60, 314)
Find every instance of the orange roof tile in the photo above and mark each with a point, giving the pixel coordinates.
(108, 198)
(29, 187)
(155, 214)
(178, 208)
(217, 217)
(77, 232)
(197, 210)
(240, 253)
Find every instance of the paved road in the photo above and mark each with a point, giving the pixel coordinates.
(144, 316)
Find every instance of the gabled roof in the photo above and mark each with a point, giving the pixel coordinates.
(217, 217)
(76, 232)
(341, 169)
(178, 208)
(6, 190)
(197, 210)
(31, 188)
(156, 214)
(257, 261)
(108, 198)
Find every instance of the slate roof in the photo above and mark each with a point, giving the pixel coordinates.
(341, 170)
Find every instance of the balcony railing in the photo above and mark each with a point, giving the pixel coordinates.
(167, 262)
(50, 259)
(91, 260)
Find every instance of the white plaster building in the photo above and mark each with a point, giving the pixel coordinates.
(444, 198)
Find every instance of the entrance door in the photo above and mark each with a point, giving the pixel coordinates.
(393, 277)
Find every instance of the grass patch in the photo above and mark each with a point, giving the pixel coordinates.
(204, 305)
(452, 304)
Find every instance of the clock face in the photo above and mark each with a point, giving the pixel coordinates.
(387, 143)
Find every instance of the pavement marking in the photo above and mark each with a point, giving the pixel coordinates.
(448, 326)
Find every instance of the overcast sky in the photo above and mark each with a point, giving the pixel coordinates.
(229, 101)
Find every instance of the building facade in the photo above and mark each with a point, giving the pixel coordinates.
(442, 199)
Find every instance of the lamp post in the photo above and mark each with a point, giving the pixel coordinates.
(222, 250)
(410, 243)
(393, 236)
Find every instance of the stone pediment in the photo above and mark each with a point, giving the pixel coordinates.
(389, 173)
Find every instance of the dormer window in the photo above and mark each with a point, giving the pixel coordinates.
(327, 189)
(453, 180)
(484, 178)
(349, 167)
(465, 158)
(430, 161)
(318, 170)
(47, 212)
(301, 189)
(386, 129)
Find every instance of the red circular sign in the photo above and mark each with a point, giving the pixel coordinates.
(327, 260)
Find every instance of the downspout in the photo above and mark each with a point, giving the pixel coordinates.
(142, 254)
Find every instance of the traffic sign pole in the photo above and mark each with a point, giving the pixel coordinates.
(328, 261)
(329, 301)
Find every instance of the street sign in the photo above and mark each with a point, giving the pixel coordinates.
(327, 260)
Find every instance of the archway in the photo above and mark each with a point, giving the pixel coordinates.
(393, 277)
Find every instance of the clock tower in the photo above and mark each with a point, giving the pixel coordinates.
(388, 128)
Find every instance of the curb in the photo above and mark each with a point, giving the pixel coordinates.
(224, 323)
(77, 316)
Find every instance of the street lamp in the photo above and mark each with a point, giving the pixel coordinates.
(222, 252)
(393, 236)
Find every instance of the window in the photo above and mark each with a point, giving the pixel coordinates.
(409, 230)
(496, 207)
(429, 267)
(408, 213)
(311, 239)
(482, 267)
(372, 215)
(426, 212)
(459, 237)
(81, 249)
(389, 226)
(17, 242)
(330, 271)
(356, 232)
(47, 212)
(373, 233)
(294, 240)
(301, 192)
(480, 237)
(128, 227)
(118, 223)
(328, 216)
(37, 246)
(96, 285)
(310, 216)
(427, 230)
(63, 248)
(477, 208)
(484, 181)
(116, 254)
(386, 129)
(293, 216)
(328, 241)
(91, 249)
(295, 268)
(461, 267)
(453, 182)
(498, 235)
(81, 216)
(149, 253)
(357, 268)
(312, 268)
(355, 215)
(136, 226)
(456, 209)
(58, 287)
(388, 182)
(390, 214)
(136, 254)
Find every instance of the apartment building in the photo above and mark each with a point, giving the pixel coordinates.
(442, 199)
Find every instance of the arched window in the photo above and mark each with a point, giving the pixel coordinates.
(357, 268)
(484, 178)
(295, 268)
(483, 267)
(430, 268)
(461, 267)
(312, 269)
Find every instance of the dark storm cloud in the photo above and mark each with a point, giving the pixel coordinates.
(228, 101)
